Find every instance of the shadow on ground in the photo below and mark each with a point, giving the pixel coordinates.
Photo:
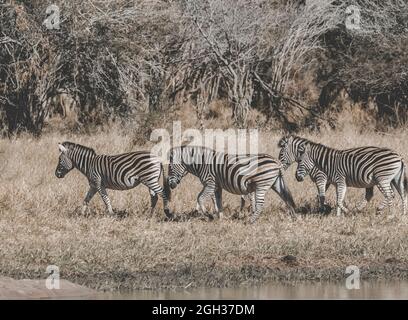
(308, 209)
(92, 213)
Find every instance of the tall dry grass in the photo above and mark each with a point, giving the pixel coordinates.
(40, 225)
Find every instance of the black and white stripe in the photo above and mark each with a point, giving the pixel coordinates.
(363, 167)
(289, 154)
(251, 175)
(118, 172)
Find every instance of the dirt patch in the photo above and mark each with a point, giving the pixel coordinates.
(36, 289)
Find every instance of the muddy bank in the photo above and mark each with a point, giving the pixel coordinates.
(388, 281)
(36, 289)
(248, 275)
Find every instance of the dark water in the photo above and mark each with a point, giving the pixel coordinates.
(368, 290)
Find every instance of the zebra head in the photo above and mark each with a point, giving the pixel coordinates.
(305, 163)
(288, 152)
(65, 164)
(177, 167)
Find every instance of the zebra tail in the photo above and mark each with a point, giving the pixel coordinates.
(166, 186)
(285, 192)
(404, 169)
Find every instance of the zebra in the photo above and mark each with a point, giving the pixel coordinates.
(117, 172)
(363, 167)
(288, 154)
(249, 175)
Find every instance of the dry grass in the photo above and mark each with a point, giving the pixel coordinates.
(40, 225)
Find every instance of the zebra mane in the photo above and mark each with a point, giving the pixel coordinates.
(196, 147)
(285, 139)
(190, 151)
(73, 146)
(312, 143)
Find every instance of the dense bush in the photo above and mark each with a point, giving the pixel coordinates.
(289, 59)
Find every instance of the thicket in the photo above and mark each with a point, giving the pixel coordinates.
(288, 59)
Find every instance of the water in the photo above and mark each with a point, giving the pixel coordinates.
(368, 290)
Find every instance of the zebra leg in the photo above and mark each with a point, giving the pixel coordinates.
(89, 196)
(155, 188)
(243, 201)
(153, 201)
(341, 192)
(322, 187)
(259, 198)
(207, 192)
(244, 198)
(284, 193)
(398, 184)
(326, 208)
(166, 205)
(105, 198)
(241, 208)
(253, 201)
(368, 196)
(217, 198)
(386, 190)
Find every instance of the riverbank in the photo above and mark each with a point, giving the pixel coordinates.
(270, 291)
(36, 289)
(41, 225)
(136, 253)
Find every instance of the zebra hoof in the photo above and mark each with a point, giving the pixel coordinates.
(220, 216)
(303, 210)
(379, 211)
(325, 209)
(252, 220)
(168, 214)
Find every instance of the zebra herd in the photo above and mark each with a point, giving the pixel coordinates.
(250, 176)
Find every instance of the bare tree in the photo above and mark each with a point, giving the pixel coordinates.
(119, 58)
(27, 71)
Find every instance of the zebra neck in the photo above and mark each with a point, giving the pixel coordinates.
(192, 168)
(323, 157)
(83, 162)
(197, 156)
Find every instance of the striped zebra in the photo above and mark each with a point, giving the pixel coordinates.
(117, 172)
(363, 167)
(289, 154)
(251, 175)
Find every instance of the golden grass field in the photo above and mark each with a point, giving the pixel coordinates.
(41, 224)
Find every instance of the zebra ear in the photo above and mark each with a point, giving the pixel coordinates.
(62, 148)
(303, 148)
(283, 142)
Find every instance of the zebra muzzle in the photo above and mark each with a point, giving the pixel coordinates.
(299, 178)
(172, 182)
(59, 174)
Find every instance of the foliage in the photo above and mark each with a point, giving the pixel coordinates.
(118, 59)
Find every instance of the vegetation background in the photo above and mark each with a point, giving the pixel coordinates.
(289, 64)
